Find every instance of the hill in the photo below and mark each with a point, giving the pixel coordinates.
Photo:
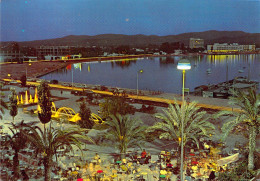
(209, 37)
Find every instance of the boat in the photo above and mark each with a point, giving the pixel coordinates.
(208, 71)
(240, 71)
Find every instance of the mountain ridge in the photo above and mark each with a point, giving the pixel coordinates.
(210, 37)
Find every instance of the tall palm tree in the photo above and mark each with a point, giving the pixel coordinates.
(195, 123)
(249, 102)
(17, 141)
(125, 132)
(49, 140)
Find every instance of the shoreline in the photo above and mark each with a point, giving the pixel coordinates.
(36, 69)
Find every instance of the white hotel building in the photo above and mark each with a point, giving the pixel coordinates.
(225, 47)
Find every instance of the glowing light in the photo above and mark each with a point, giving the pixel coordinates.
(17, 97)
(184, 65)
(35, 96)
(31, 99)
(22, 99)
(26, 98)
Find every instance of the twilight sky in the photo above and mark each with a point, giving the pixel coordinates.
(25, 20)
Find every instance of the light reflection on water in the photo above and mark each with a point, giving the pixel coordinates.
(160, 73)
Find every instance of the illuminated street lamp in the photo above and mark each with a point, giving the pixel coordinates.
(26, 69)
(140, 71)
(183, 65)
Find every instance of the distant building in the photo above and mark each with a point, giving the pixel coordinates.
(196, 43)
(177, 52)
(53, 50)
(225, 47)
(10, 56)
(139, 50)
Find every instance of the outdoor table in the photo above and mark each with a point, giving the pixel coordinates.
(118, 163)
(163, 177)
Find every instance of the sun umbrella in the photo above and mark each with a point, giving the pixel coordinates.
(100, 171)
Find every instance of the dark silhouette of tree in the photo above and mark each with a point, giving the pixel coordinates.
(13, 104)
(15, 47)
(16, 141)
(23, 80)
(85, 114)
(2, 107)
(44, 97)
(114, 105)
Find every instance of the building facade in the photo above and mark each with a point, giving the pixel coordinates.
(53, 50)
(10, 56)
(196, 43)
(225, 47)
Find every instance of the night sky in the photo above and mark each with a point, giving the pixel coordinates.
(24, 20)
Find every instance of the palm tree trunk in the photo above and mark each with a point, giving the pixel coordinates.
(16, 164)
(47, 167)
(252, 143)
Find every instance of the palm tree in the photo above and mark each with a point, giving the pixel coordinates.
(195, 123)
(49, 140)
(248, 116)
(17, 141)
(125, 132)
(2, 107)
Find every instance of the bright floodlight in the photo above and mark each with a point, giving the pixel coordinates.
(184, 65)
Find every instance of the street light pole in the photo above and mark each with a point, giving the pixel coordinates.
(183, 82)
(183, 65)
(72, 77)
(26, 69)
(137, 84)
(140, 71)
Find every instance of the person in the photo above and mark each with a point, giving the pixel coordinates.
(135, 157)
(97, 157)
(148, 158)
(143, 154)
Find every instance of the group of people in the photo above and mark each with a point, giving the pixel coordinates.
(144, 158)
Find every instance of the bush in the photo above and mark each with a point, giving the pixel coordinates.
(23, 80)
(240, 172)
(54, 81)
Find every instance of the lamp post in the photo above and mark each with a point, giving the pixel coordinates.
(140, 71)
(26, 69)
(72, 77)
(183, 65)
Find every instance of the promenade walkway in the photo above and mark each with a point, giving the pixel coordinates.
(207, 103)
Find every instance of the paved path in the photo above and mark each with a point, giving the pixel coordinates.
(208, 103)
